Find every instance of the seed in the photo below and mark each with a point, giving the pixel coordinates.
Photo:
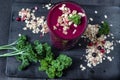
(111, 34)
(119, 41)
(108, 51)
(79, 44)
(19, 34)
(33, 11)
(18, 19)
(57, 24)
(99, 47)
(89, 65)
(48, 8)
(90, 44)
(102, 21)
(112, 37)
(46, 5)
(111, 25)
(103, 58)
(105, 37)
(96, 12)
(36, 8)
(65, 32)
(105, 16)
(94, 54)
(24, 28)
(91, 19)
(74, 31)
(108, 35)
(102, 51)
(83, 15)
(74, 12)
(109, 58)
(23, 19)
(54, 28)
(103, 42)
(79, 14)
(75, 25)
(82, 67)
(49, 4)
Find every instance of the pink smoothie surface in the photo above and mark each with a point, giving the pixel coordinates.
(52, 18)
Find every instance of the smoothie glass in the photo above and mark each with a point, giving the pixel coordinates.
(60, 40)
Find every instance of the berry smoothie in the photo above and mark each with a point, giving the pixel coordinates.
(66, 21)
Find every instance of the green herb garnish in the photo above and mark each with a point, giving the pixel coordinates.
(104, 29)
(23, 51)
(75, 18)
(26, 53)
(54, 67)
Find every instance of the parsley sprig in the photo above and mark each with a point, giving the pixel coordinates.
(26, 52)
(104, 29)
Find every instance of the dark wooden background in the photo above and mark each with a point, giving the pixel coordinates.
(5, 12)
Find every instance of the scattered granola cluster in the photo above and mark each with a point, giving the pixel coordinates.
(91, 32)
(36, 24)
(67, 17)
(98, 47)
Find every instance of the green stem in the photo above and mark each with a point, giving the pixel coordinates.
(11, 48)
(15, 53)
(9, 45)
